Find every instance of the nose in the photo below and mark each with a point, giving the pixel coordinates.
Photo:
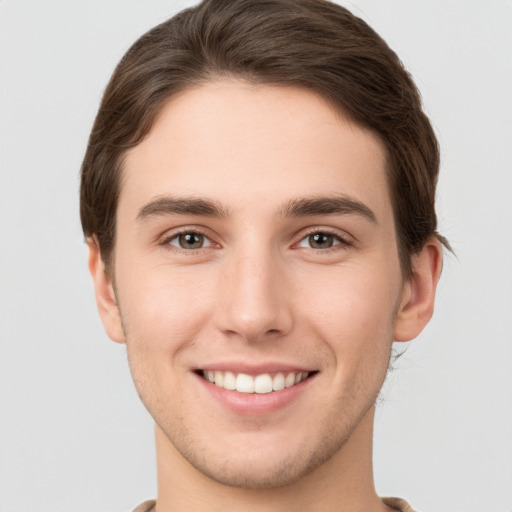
(255, 301)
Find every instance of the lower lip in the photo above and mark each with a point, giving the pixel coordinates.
(255, 404)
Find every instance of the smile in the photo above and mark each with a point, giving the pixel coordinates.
(263, 383)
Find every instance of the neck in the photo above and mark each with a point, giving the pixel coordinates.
(344, 482)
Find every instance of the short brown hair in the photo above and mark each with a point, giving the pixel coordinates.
(313, 44)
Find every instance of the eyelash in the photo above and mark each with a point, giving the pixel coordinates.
(342, 241)
(189, 252)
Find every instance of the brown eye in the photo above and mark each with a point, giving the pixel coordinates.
(321, 240)
(189, 241)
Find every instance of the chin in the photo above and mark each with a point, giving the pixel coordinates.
(257, 468)
(250, 475)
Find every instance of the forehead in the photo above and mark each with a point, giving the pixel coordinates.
(255, 145)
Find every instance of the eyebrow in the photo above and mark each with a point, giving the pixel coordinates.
(308, 206)
(301, 207)
(182, 206)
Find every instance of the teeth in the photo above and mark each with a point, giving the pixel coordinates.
(229, 381)
(289, 381)
(278, 382)
(244, 383)
(262, 384)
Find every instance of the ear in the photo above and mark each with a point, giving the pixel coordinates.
(417, 304)
(105, 295)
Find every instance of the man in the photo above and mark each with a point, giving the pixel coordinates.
(258, 200)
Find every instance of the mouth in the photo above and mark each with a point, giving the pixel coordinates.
(262, 383)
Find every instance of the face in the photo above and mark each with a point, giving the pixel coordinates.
(257, 278)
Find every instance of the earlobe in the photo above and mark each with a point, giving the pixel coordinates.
(418, 297)
(105, 295)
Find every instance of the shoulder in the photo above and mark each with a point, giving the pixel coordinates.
(147, 506)
(398, 504)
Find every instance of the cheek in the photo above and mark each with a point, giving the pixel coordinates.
(353, 311)
(163, 307)
(162, 313)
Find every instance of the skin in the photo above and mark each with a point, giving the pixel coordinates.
(259, 291)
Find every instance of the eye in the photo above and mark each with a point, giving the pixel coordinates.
(189, 240)
(322, 240)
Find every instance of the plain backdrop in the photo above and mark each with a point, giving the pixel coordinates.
(73, 433)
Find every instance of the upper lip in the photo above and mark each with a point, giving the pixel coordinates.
(251, 368)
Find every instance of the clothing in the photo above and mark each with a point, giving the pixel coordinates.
(397, 503)
(147, 506)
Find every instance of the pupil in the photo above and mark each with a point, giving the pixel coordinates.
(321, 240)
(191, 240)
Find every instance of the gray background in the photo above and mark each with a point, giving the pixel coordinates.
(73, 434)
